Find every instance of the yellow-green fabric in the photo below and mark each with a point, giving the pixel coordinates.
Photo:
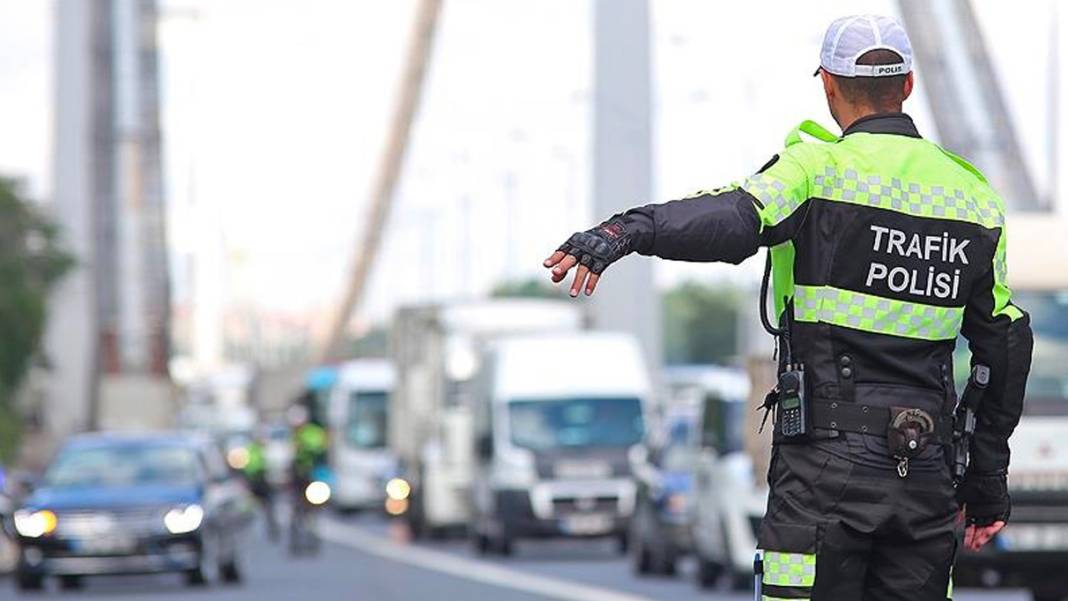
(257, 462)
(789, 569)
(896, 173)
(868, 169)
(871, 313)
(310, 443)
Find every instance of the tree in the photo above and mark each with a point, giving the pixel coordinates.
(31, 262)
(700, 324)
(373, 343)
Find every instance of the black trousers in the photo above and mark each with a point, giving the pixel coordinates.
(842, 525)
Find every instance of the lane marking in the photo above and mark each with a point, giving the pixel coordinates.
(480, 571)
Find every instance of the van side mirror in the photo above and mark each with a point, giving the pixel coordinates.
(484, 446)
(638, 456)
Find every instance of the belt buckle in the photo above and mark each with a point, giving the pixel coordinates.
(907, 435)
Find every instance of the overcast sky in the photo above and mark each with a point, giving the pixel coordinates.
(275, 112)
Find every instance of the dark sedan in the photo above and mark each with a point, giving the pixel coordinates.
(129, 504)
(660, 527)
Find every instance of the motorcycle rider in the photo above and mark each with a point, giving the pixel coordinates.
(255, 472)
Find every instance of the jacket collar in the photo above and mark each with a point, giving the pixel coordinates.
(884, 123)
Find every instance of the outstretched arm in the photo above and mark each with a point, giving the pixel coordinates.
(712, 226)
(727, 225)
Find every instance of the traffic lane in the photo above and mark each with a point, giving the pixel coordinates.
(597, 563)
(540, 570)
(338, 572)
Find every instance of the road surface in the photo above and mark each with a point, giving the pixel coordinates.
(366, 559)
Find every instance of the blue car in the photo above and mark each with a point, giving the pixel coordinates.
(131, 504)
(660, 528)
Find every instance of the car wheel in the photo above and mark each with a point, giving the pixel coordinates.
(71, 582)
(641, 562)
(741, 582)
(28, 582)
(661, 555)
(665, 562)
(708, 573)
(230, 571)
(207, 570)
(505, 545)
(480, 542)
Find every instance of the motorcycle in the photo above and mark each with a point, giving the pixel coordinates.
(310, 496)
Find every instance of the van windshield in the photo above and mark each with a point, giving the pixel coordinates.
(546, 424)
(366, 424)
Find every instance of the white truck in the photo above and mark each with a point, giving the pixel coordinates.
(1032, 550)
(358, 418)
(435, 350)
(552, 442)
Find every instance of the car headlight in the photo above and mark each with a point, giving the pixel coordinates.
(398, 489)
(317, 492)
(34, 524)
(237, 458)
(182, 520)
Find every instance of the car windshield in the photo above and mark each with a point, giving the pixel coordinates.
(123, 465)
(366, 425)
(1047, 385)
(581, 422)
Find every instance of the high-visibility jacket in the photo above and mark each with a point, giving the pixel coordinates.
(885, 248)
(256, 468)
(309, 447)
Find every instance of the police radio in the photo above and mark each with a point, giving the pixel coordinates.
(788, 398)
(792, 405)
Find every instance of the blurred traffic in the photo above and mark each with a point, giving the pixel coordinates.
(180, 411)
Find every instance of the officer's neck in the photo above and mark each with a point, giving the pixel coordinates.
(848, 114)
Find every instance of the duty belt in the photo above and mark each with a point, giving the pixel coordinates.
(846, 416)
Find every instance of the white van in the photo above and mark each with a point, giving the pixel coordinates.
(553, 437)
(359, 416)
(436, 351)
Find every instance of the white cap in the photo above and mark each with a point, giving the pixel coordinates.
(849, 37)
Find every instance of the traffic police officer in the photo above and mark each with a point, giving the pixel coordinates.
(884, 247)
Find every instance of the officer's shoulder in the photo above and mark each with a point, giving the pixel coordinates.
(963, 164)
(971, 174)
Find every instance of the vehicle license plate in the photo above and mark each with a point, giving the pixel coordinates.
(588, 524)
(106, 545)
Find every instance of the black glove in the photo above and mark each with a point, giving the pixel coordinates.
(600, 247)
(985, 498)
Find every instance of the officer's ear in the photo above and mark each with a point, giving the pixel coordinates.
(909, 81)
(830, 88)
